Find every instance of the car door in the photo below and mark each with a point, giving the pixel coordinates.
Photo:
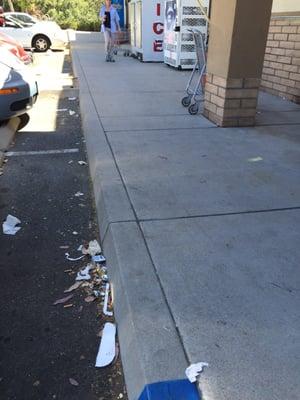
(16, 31)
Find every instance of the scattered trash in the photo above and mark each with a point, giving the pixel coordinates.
(89, 299)
(107, 348)
(92, 249)
(83, 275)
(194, 370)
(68, 270)
(9, 225)
(78, 194)
(70, 162)
(72, 98)
(75, 233)
(105, 311)
(99, 258)
(71, 112)
(73, 287)
(73, 382)
(63, 300)
(98, 294)
(255, 159)
(68, 305)
(36, 383)
(62, 109)
(82, 163)
(73, 259)
(120, 396)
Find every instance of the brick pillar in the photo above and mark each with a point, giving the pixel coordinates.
(235, 60)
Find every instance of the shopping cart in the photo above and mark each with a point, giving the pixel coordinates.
(196, 83)
(122, 43)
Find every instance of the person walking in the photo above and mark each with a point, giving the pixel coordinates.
(110, 26)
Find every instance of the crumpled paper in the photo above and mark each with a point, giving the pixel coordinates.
(9, 225)
(194, 370)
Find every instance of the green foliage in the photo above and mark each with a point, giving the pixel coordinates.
(75, 14)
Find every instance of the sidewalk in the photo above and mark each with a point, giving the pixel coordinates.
(200, 226)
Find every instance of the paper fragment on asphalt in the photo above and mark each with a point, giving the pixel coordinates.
(72, 98)
(73, 382)
(194, 370)
(83, 275)
(107, 348)
(105, 311)
(89, 299)
(71, 112)
(73, 259)
(99, 258)
(9, 225)
(75, 233)
(63, 300)
(73, 287)
(82, 163)
(78, 194)
(92, 249)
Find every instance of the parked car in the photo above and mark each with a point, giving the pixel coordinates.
(18, 86)
(15, 48)
(29, 20)
(39, 36)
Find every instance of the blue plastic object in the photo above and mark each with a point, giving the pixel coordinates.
(170, 390)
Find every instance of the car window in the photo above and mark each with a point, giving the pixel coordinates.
(12, 22)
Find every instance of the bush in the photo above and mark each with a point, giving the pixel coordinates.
(79, 14)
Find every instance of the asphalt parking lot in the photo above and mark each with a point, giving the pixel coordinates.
(46, 348)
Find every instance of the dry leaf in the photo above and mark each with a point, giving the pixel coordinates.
(73, 382)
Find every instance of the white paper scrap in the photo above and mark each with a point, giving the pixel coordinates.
(83, 275)
(194, 370)
(72, 98)
(82, 163)
(107, 348)
(105, 311)
(78, 194)
(73, 259)
(71, 112)
(99, 258)
(9, 225)
(93, 249)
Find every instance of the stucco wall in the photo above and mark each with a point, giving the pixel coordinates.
(286, 6)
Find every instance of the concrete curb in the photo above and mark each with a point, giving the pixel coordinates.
(151, 349)
(7, 134)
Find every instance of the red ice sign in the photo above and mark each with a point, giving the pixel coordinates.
(158, 29)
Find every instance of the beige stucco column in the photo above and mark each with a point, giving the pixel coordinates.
(238, 35)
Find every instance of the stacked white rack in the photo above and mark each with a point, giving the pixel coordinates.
(180, 17)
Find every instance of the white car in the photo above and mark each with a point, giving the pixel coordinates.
(29, 20)
(38, 36)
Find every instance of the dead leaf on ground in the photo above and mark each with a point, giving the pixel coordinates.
(63, 300)
(73, 382)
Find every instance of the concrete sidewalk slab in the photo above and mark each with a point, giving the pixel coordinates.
(233, 283)
(215, 282)
(211, 171)
(142, 123)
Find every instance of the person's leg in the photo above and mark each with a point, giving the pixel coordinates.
(107, 41)
(111, 46)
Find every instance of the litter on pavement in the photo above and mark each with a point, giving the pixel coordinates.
(82, 163)
(9, 225)
(73, 382)
(107, 348)
(105, 311)
(99, 258)
(92, 248)
(194, 370)
(63, 300)
(75, 286)
(73, 259)
(83, 275)
(71, 112)
(72, 98)
(78, 194)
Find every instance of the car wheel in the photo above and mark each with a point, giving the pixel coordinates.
(41, 43)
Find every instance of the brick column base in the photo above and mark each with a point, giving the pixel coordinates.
(231, 102)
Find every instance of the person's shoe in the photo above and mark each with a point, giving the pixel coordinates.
(107, 58)
(112, 60)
